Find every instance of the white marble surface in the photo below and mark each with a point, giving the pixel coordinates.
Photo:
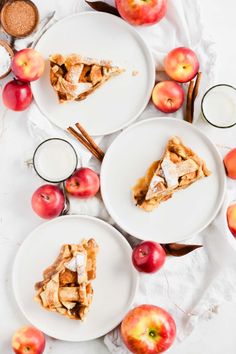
(214, 336)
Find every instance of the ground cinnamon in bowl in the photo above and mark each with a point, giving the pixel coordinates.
(19, 18)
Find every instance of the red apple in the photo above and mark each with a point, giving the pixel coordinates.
(148, 257)
(230, 163)
(48, 201)
(17, 95)
(142, 12)
(148, 329)
(168, 96)
(181, 64)
(231, 218)
(28, 65)
(84, 183)
(28, 340)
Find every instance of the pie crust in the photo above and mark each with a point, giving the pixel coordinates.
(177, 169)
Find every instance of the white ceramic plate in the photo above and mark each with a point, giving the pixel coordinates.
(120, 100)
(114, 287)
(188, 211)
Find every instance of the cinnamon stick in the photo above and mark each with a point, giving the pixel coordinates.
(84, 142)
(196, 90)
(188, 113)
(89, 139)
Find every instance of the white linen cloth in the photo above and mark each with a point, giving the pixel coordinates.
(190, 287)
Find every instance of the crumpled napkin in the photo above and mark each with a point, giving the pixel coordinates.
(191, 287)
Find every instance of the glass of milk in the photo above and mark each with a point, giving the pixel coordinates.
(219, 106)
(55, 160)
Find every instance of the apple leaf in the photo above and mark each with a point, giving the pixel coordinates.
(103, 7)
(171, 249)
(179, 250)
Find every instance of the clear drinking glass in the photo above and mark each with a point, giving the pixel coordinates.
(219, 106)
(54, 161)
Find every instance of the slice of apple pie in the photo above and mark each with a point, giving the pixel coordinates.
(67, 284)
(177, 169)
(74, 77)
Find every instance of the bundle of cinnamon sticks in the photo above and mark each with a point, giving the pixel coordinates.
(192, 93)
(86, 140)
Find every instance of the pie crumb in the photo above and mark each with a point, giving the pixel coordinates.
(135, 72)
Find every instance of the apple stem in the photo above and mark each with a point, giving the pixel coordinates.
(143, 253)
(152, 333)
(169, 101)
(44, 196)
